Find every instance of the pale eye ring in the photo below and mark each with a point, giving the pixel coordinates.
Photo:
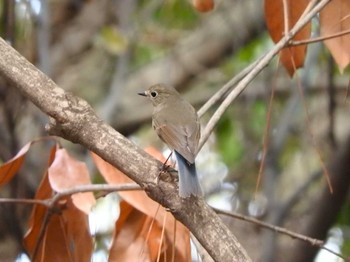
(154, 94)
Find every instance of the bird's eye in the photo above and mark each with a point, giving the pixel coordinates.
(154, 94)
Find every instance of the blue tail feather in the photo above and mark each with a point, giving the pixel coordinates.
(188, 179)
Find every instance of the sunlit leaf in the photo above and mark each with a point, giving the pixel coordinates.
(66, 173)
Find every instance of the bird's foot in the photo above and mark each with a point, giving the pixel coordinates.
(167, 172)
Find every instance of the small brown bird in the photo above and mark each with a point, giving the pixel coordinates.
(176, 123)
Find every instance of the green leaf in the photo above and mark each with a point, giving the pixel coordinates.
(176, 14)
(112, 40)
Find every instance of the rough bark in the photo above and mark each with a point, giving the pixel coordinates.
(73, 119)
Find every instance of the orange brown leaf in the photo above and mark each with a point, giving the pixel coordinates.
(66, 173)
(291, 57)
(203, 5)
(138, 237)
(11, 167)
(335, 18)
(127, 243)
(148, 208)
(62, 235)
(44, 191)
(65, 235)
(137, 199)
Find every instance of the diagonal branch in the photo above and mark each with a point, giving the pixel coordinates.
(263, 62)
(73, 119)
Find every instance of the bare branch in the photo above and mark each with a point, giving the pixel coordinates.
(78, 189)
(281, 230)
(318, 39)
(73, 119)
(257, 69)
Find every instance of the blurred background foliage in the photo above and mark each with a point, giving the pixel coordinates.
(106, 51)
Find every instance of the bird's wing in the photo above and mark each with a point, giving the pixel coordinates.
(194, 136)
(182, 139)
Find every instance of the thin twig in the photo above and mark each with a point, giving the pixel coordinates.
(265, 140)
(94, 188)
(51, 203)
(41, 234)
(308, 8)
(256, 70)
(153, 220)
(281, 230)
(219, 94)
(318, 39)
(52, 208)
(285, 17)
(312, 137)
(24, 201)
(78, 189)
(284, 231)
(162, 239)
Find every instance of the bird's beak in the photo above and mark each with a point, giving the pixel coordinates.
(142, 94)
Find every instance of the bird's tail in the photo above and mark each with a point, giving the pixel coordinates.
(188, 179)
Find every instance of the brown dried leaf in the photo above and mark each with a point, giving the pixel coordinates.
(78, 238)
(137, 199)
(291, 57)
(67, 173)
(335, 18)
(53, 246)
(10, 168)
(128, 244)
(64, 235)
(44, 191)
(146, 206)
(138, 237)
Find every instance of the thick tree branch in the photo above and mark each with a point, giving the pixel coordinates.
(73, 119)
